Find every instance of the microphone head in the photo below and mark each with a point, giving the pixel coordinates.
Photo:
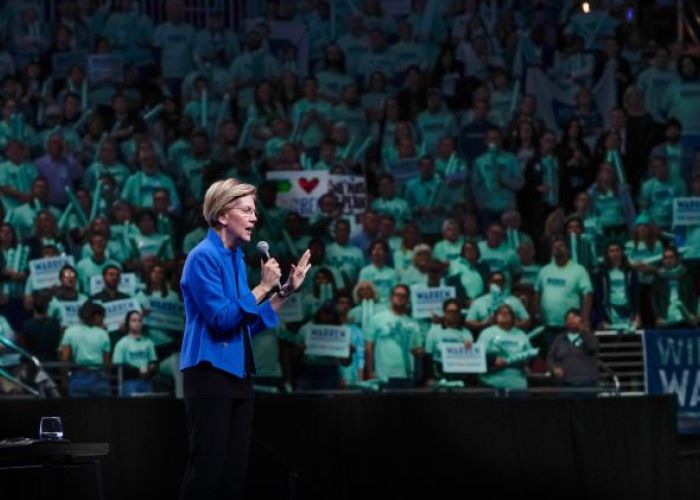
(263, 248)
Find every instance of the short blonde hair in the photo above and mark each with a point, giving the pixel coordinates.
(219, 195)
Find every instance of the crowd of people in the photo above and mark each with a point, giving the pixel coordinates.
(546, 231)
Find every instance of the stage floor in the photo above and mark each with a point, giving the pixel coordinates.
(395, 445)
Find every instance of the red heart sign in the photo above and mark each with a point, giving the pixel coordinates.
(308, 185)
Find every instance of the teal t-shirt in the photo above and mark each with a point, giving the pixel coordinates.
(608, 209)
(658, 197)
(470, 278)
(618, 288)
(134, 351)
(312, 136)
(384, 279)
(87, 344)
(561, 289)
(448, 251)
(502, 343)
(485, 306)
(489, 173)
(438, 335)
(19, 177)
(348, 259)
(393, 337)
(397, 207)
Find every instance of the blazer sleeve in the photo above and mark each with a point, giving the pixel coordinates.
(222, 314)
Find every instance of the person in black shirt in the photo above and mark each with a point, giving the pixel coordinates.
(41, 333)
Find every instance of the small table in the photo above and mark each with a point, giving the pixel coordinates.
(50, 461)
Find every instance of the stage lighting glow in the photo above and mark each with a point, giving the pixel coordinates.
(586, 7)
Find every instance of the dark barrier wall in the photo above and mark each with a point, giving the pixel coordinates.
(393, 446)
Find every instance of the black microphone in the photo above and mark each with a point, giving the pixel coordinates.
(264, 250)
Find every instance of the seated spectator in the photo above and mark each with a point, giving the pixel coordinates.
(87, 345)
(505, 344)
(672, 296)
(137, 355)
(573, 356)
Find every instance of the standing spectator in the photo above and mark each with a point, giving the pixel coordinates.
(654, 82)
(382, 276)
(393, 338)
(426, 195)
(642, 249)
(482, 310)
(672, 296)
(66, 294)
(658, 193)
(311, 116)
(87, 345)
(450, 331)
(501, 341)
(497, 255)
(468, 274)
(561, 285)
(16, 176)
(59, 168)
(679, 157)
(496, 179)
(573, 356)
(41, 333)
(574, 156)
(173, 38)
(616, 291)
(137, 355)
(682, 101)
(450, 247)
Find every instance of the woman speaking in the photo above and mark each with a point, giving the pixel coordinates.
(217, 361)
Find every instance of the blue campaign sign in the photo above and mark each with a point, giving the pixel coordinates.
(672, 366)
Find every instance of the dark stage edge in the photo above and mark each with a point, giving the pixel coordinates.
(397, 446)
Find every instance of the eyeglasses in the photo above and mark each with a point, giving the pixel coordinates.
(249, 211)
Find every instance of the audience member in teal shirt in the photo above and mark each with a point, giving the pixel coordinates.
(383, 277)
(340, 254)
(426, 195)
(129, 33)
(332, 78)
(351, 112)
(453, 170)
(470, 274)
(497, 255)
(449, 248)
(449, 331)
(496, 178)
(435, 122)
(310, 116)
(389, 203)
(393, 338)
(658, 193)
(16, 176)
(192, 167)
(606, 201)
(204, 107)
(106, 164)
(655, 81)
(502, 341)
(377, 59)
(139, 187)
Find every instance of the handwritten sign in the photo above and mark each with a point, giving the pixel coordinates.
(127, 284)
(115, 312)
(426, 301)
(686, 211)
(44, 272)
(165, 314)
(351, 191)
(292, 310)
(456, 358)
(299, 191)
(328, 340)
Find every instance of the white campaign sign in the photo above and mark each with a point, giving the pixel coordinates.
(127, 284)
(686, 211)
(299, 191)
(328, 340)
(115, 312)
(292, 310)
(44, 272)
(165, 314)
(426, 301)
(456, 358)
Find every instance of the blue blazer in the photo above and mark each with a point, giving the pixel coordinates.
(216, 314)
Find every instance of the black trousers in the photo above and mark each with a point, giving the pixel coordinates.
(219, 438)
